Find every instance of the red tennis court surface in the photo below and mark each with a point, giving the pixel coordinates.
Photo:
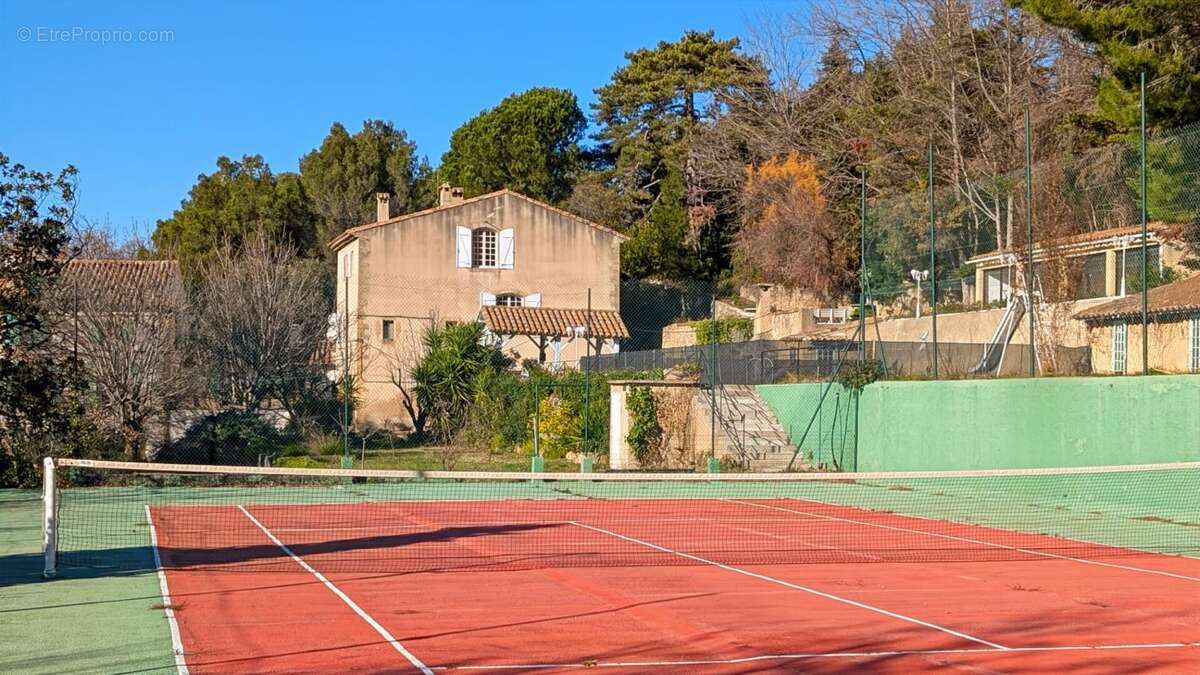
(573, 585)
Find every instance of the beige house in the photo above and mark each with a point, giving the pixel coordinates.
(399, 276)
(1115, 330)
(1101, 263)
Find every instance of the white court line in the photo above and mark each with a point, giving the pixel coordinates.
(345, 598)
(797, 587)
(510, 523)
(811, 544)
(815, 655)
(176, 640)
(968, 540)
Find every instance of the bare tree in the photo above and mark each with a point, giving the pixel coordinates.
(95, 241)
(122, 323)
(964, 72)
(260, 323)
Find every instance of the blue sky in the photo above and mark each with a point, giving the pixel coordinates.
(141, 115)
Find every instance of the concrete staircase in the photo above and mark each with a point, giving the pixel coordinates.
(751, 430)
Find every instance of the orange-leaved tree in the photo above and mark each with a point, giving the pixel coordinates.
(788, 236)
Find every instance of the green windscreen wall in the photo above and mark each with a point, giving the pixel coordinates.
(1013, 423)
(829, 422)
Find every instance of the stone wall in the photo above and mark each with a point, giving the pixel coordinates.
(684, 413)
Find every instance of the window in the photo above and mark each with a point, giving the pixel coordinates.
(509, 300)
(389, 330)
(483, 247)
(1195, 352)
(1120, 342)
(1130, 263)
(997, 285)
(1091, 276)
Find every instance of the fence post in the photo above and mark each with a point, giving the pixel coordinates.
(346, 461)
(1145, 248)
(1029, 242)
(712, 387)
(587, 375)
(537, 427)
(932, 264)
(862, 268)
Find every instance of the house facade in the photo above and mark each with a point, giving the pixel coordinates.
(1102, 264)
(1116, 337)
(400, 276)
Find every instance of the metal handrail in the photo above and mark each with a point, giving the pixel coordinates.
(734, 425)
(720, 400)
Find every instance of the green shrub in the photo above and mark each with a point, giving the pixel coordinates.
(727, 330)
(591, 400)
(446, 378)
(231, 437)
(292, 450)
(854, 375)
(319, 408)
(560, 426)
(291, 462)
(325, 444)
(499, 415)
(645, 433)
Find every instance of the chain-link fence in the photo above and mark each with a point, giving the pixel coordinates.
(971, 272)
(1030, 271)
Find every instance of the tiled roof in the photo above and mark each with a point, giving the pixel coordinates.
(605, 323)
(1180, 297)
(352, 233)
(118, 284)
(1095, 237)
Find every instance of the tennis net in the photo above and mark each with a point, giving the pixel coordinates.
(124, 516)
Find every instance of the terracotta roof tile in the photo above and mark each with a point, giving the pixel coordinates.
(120, 282)
(605, 323)
(1180, 297)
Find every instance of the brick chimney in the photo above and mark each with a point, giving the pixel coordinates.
(382, 210)
(449, 196)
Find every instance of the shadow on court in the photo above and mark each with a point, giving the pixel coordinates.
(427, 551)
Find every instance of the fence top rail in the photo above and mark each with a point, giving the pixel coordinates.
(200, 469)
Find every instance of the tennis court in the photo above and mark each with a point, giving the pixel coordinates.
(1094, 570)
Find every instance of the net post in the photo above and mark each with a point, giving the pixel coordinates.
(49, 518)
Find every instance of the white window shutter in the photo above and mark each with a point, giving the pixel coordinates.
(462, 246)
(505, 245)
(487, 299)
(533, 300)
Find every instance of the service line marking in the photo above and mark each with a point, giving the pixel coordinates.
(968, 540)
(383, 632)
(796, 587)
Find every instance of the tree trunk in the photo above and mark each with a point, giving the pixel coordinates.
(131, 438)
(1001, 244)
(1008, 218)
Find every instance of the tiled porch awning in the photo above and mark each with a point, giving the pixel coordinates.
(550, 322)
